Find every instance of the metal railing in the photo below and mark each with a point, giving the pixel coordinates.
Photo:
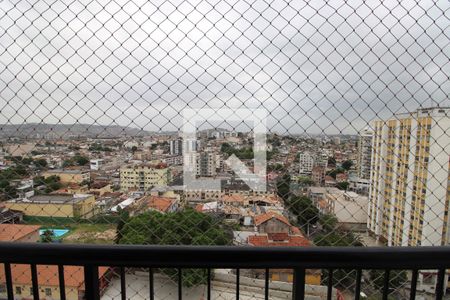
(91, 257)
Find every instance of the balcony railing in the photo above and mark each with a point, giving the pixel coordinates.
(91, 257)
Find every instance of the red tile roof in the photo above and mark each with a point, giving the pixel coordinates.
(161, 204)
(48, 275)
(233, 198)
(291, 241)
(14, 232)
(259, 219)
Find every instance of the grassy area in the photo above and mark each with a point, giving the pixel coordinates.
(91, 234)
(81, 231)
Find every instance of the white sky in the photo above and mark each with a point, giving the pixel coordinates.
(316, 66)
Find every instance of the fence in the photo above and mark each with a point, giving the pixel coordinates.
(245, 123)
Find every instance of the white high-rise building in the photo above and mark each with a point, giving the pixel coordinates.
(306, 163)
(176, 147)
(364, 153)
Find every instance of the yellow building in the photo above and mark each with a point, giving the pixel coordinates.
(68, 175)
(55, 205)
(143, 177)
(409, 198)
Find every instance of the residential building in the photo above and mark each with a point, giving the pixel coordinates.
(409, 195)
(143, 177)
(69, 175)
(207, 164)
(96, 164)
(19, 233)
(364, 153)
(176, 147)
(55, 205)
(349, 208)
(306, 163)
(318, 175)
(156, 203)
(49, 286)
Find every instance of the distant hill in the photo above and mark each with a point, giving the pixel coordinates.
(65, 131)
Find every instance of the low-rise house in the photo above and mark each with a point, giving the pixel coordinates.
(8, 216)
(312, 277)
(49, 281)
(69, 175)
(341, 177)
(160, 204)
(99, 188)
(349, 208)
(55, 205)
(19, 233)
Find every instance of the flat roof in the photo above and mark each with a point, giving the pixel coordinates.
(54, 199)
(68, 171)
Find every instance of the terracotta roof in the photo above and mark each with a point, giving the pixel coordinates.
(296, 230)
(233, 198)
(14, 232)
(323, 204)
(291, 241)
(268, 216)
(161, 204)
(48, 275)
(280, 236)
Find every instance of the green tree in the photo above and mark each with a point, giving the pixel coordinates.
(47, 236)
(123, 218)
(337, 238)
(51, 183)
(328, 222)
(303, 208)
(187, 227)
(397, 278)
(346, 165)
(343, 185)
(283, 187)
(80, 160)
(334, 172)
(40, 163)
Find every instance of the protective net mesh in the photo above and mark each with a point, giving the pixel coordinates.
(354, 151)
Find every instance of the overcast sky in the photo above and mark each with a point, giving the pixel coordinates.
(315, 66)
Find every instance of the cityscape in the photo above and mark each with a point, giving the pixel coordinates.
(224, 150)
(386, 186)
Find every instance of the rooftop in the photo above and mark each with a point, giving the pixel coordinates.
(14, 232)
(52, 198)
(48, 275)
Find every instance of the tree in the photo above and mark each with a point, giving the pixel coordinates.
(284, 187)
(187, 227)
(305, 211)
(134, 149)
(304, 180)
(343, 185)
(334, 172)
(80, 160)
(331, 161)
(334, 238)
(51, 183)
(124, 216)
(397, 278)
(77, 160)
(328, 222)
(40, 163)
(346, 165)
(47, 236)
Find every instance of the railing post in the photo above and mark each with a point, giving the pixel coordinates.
(91, 286)
(298, 287)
